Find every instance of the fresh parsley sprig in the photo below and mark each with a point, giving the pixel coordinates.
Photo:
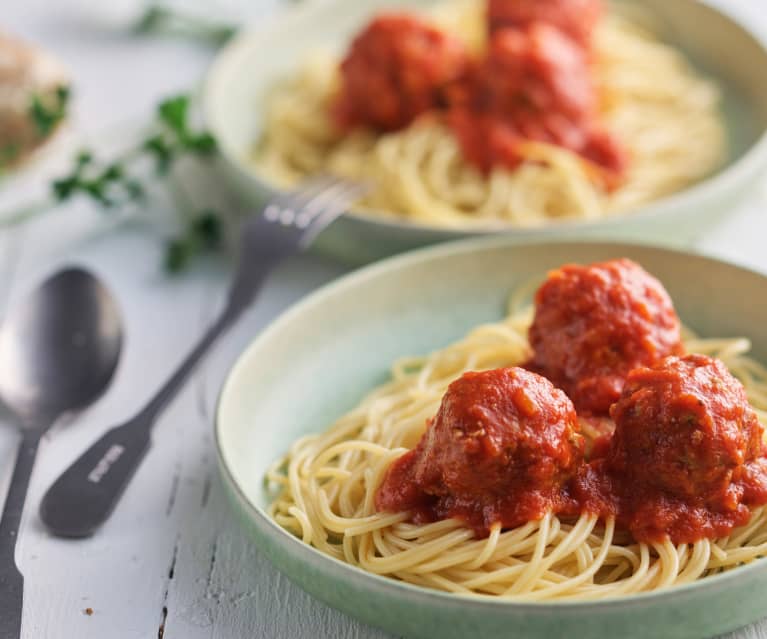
(158, 19)
(202, 234)
(109, 185)
(120, 181)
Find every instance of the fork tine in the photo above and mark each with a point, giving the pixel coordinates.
(291, 201)
(314, 187)
(334, 190)
(326, 207)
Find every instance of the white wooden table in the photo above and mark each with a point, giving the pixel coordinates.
(172, 562)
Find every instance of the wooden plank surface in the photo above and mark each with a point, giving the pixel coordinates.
(171, 556)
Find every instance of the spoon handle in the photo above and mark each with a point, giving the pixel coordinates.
(11, 600)
(11, 580)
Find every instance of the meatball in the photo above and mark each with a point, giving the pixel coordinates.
(537, 69)
(684, 427)
(593, 324)
(576, 18)
(533, 84)
(686, 460)
(498, 451)
(397, 69)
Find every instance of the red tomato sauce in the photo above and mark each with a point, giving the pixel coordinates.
(534, 83)
(498, 451)
(686, 459)
(679, 455)
(593, 324)
(576, 18)
(397, 69)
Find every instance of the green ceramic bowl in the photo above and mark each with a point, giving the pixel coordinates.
(246, 68)
(320, 358)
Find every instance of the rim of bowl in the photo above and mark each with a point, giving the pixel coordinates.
(725, 178)
(395, 587)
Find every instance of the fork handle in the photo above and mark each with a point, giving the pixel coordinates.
(146, 418)
(85, 494)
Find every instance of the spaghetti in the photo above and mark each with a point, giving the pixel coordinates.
(663, 112)
(325, 491)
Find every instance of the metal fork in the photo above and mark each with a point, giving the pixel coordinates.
(84, 496)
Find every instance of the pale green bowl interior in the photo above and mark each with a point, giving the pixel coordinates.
(247, 68)
(325, 354)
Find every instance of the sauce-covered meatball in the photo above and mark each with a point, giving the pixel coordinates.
(537, 69)
(685, 427)
(593, 324)
(685, 458)
(533, 84)
(576, 18)
(498, 451)
(396, 69)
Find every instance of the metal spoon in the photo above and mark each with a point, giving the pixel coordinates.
(58, 352)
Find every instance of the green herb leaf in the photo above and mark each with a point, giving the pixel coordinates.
(47, 111)
(204, 234)
(168, 21)
(208, 228)
(134, 189)
(177, 255)
(203, 143)
(161, 151)
(63, 188)
(83, 158)
(173, 113)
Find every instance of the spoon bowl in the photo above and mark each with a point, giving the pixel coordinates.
(58, 350)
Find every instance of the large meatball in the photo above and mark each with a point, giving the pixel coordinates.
(576, 18)
(498, 451)
(686, 461)
(684, 427)
(397, 69)
(593, 324)
(537, 69)
(533, 84)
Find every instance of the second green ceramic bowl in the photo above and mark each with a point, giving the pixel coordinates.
(248, 67)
